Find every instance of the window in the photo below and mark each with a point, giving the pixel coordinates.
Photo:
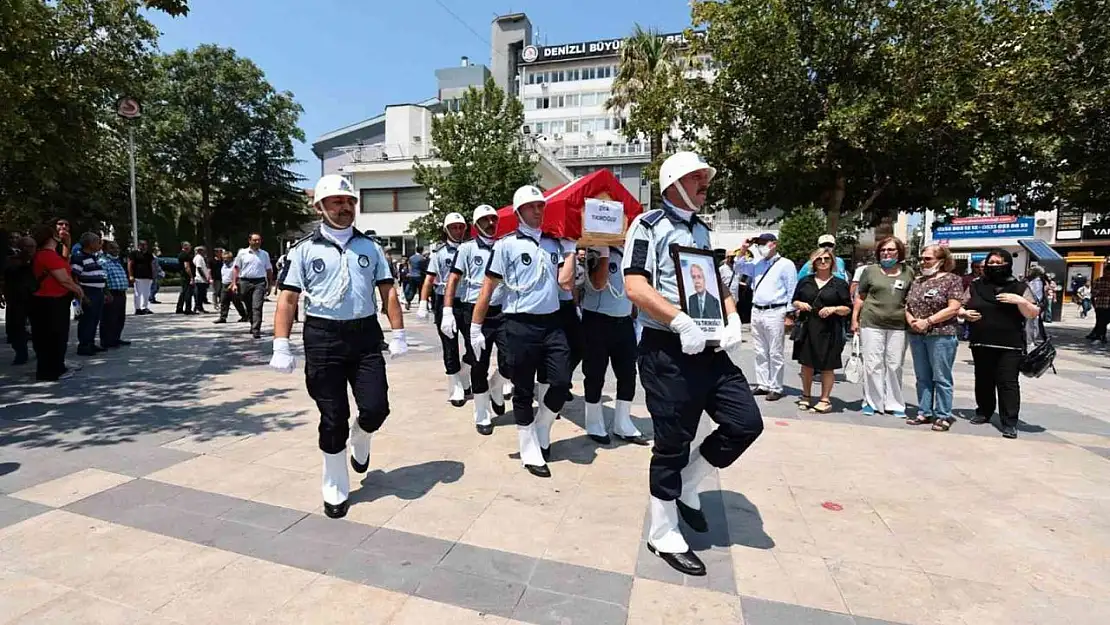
(540, 127)
(412, 199)
(572, 100)
(376, 201)
(572, 125)
(573, 74)
(556, 126)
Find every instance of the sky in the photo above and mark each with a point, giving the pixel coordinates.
(345, 60)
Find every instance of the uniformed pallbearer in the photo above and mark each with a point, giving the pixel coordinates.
(608, 336)
(337, 269)
(468, 270)
(528, 262)
(681, 378)
(439, 268)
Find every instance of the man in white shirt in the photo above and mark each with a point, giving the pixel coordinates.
(773, 279)
(203, 278)
(251, 277)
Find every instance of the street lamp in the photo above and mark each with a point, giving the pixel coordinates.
(130, 109)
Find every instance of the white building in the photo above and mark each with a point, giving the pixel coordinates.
(377, 156)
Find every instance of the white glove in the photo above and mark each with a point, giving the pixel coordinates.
(477, 339)
(398, 346)
(283, 359)
(422, 310)
(733, 334)
(692, 337)
(578, 309)
(447, 326)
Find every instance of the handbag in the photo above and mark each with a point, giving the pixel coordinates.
(798, 329)
(853, 371)
(1035, 362)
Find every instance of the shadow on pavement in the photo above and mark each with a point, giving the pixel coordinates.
(150, 391)
(8, 467)
(733, 520)
(408, 483)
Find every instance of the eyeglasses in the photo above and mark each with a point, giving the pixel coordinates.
(824, 260)
(928, 258)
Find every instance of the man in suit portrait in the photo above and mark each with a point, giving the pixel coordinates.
(702, 304)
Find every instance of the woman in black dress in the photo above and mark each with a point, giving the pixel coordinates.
(822, 302)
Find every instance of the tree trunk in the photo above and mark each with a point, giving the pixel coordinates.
(655, 147)
(206, 215)
(832, 221)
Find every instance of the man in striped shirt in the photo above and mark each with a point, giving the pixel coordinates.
(88, 273)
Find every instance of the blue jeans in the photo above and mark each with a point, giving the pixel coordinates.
(90, 317)
(933, 358)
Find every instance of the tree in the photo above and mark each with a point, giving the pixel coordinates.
(487, 162)
(219, 128)
(644, 90)
(64, 65)
(862, 108)
(800, 230)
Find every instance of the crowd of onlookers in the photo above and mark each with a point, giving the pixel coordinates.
(49, 278)
(890, 306)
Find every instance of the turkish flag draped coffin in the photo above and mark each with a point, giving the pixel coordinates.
(562, 218)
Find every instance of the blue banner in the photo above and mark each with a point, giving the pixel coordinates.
(986, 228)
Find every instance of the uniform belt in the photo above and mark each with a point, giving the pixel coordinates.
(768, 307)
(342, 324)
(665, 340)
(118, 291)
(253, 280)
(550, 318)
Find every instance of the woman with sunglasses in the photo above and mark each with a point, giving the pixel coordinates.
(931, 308)
(822, 302)
(879, 317)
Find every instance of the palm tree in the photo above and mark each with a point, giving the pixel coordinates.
(644, 87)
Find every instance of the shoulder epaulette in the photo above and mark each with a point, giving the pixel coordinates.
(703, 224)
(652, 217)
(307, 237)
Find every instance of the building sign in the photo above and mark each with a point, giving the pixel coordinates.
(1069, 224)
(1097, 230)
(1006, 226)
(586, 49)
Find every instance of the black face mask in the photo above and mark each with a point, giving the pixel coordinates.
(997, 274)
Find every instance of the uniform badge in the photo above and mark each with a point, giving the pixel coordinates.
(526, 259)
(318, 265)
(478, 261)
(363, 261)
(612, 267)
(554, 258)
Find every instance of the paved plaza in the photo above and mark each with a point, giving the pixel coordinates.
(178, 481)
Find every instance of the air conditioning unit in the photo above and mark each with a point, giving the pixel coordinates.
(558, 137)
(1047, 221)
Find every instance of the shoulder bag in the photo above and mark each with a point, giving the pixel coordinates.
(1040, 359)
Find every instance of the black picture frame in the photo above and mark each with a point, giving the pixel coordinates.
(677, 254)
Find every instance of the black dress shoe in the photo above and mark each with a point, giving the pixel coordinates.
(760, 391)
(458, 403)
(538, 471)
(980, 419)
(242, 320)
(484, 430)
(1009, 431)
(600, 440)
(20, 360)
(122, 343)
(635, 440)
(774, 396)
(546, 453)
(360, 468)
(256, 335)
(220, 321)
(498, 409)
(338, 511)
(694, 518)
(687, 563)
(86, 351)
(154, 301)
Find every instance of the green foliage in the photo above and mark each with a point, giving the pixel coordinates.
(798, 234)
(217, 128)
(867, 107)
(644, 91)
(487, 163)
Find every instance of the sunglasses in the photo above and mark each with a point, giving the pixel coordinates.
(823, 261)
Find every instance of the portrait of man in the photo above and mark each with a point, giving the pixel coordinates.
(702, 304)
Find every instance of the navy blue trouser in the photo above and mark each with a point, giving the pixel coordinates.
(451, 362)
(536, 342)
(678, 387)
(338, 354)
(494, 332)
(608, 340)
(91, 313)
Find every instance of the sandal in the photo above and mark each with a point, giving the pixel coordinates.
(941, 425)
(919, 420)
(804, 403)
(821, 407)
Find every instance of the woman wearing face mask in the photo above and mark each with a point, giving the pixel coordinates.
(879, 316)
(998, 306)
(932, 305)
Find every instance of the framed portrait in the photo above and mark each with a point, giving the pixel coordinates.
(699, 290)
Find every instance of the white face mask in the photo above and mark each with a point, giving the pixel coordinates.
(929, 271)
(759, 252)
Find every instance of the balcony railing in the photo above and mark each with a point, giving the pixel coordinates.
(724, 221)
(381, 152)
(600, 150)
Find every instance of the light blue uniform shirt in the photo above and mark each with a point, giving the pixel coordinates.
(470, 264)
(647, 252)
(839, 270)
(439, 264)
(611, 299)
(778, 287)
(337, 283)
(566, 246)
(529, 269)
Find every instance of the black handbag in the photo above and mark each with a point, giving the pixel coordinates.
(1040, 359)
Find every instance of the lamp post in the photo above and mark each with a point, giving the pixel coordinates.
(130, 109)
